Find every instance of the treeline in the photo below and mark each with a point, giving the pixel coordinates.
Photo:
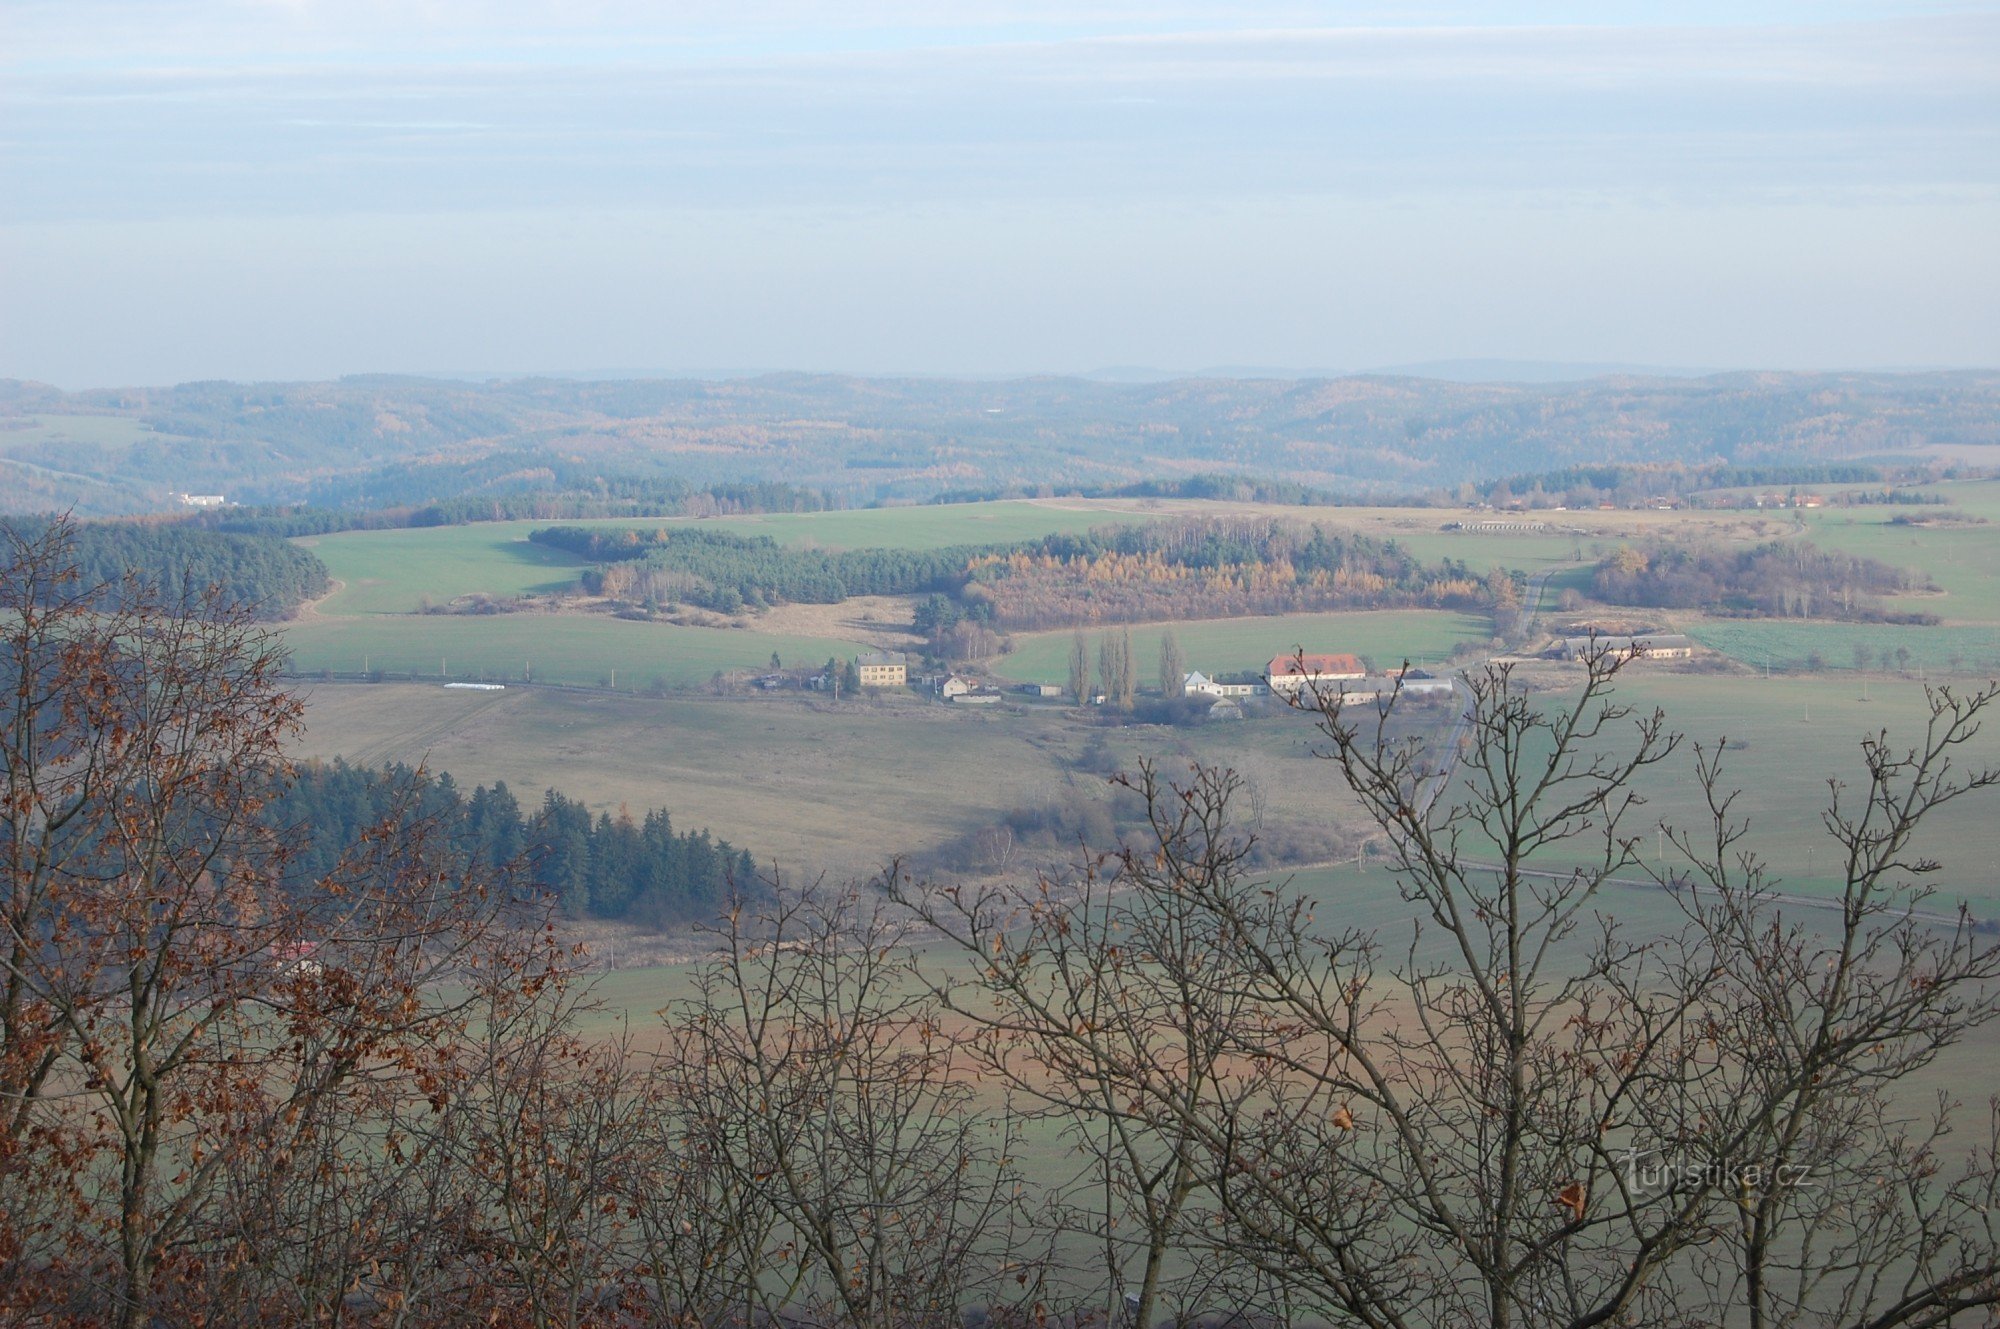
(261, 573)
(1629, 485)
(1210, 567)
(592, 498)
(639, 870)
(1218, 486)
(1783, 579)
(1913, 498)
(1610, 478)
(721, 571)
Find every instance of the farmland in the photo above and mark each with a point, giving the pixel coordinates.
(578, 649)
(807, 784)
(1787, 737)
(1233, 645)
(384, 576)
(394, 572)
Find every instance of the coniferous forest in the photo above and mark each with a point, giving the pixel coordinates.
(637, 869)
(263, 573)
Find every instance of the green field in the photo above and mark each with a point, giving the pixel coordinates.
(1788, 737)
(1964, 561)
(1385, 637)
(932, 526)
(393, 572)
(584, 649)
(1791, 645)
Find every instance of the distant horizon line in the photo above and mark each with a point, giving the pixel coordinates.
(1469, 370)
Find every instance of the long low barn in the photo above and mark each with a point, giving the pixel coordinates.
(1295, 673)
(1646, 646)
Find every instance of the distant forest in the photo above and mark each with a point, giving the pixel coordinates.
(636, 869)
(269, 576)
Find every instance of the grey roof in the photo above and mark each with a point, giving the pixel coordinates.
(883, 658)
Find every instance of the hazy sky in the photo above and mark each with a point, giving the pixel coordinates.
(305, 188)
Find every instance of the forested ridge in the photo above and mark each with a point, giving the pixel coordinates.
(638, 869)
(381, 441)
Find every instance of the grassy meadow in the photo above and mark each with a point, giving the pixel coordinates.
(394, 572)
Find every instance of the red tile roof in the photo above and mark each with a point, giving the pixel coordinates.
(1295, 666)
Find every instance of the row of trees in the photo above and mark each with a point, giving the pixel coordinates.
(1117, 669)
(1157, 1086)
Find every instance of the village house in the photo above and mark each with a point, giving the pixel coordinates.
(883, 669)
(1293, 674)
(1198, 684)
(957, 688)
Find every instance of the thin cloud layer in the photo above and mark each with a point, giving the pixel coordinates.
(1017, 119)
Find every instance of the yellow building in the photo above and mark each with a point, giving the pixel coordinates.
(883, 669)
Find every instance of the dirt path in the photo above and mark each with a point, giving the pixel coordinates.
(308, 610)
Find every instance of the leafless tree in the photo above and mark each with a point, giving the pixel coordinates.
(1092, 1001)
(828, 1105)
(1523, 1115)
(179, 1029)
